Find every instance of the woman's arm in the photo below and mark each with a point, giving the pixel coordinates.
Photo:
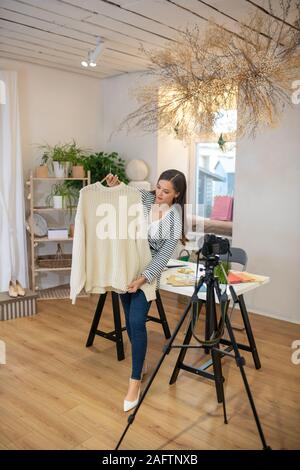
(171, 233)
(160, 260)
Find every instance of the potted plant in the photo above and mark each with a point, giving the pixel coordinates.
(42, 171)
(101, 163)
(76, 155)
(61, 156)
(55, 158)
(218, 271)
(62, 196)
(78, 170)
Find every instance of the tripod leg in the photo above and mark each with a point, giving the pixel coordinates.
(187, 339)
(249, 331)
(96, 320)
(216, 360)
(219, 379)
(211, 316)
(240, 361)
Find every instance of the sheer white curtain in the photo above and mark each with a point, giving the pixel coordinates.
(13, 253)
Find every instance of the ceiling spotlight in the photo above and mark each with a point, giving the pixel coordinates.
(93, 55)
(91, 60)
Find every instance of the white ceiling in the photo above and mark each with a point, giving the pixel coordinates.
(59, 33)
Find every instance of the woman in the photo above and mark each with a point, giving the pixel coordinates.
(165, 209)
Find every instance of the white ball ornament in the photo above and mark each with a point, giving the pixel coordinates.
(137, 170)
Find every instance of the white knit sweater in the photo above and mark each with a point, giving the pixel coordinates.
(104, 257)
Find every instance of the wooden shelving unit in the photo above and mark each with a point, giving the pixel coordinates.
(46, 239)
(57, 292)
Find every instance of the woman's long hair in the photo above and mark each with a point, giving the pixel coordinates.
(179, 183)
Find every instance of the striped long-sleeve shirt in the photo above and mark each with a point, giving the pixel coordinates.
(162, 239)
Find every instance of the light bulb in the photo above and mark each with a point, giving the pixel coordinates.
(84, 63)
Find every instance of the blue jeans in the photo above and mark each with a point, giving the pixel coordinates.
(136, 308)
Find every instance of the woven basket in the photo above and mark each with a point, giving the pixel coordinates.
(59, 260)
(51, 261)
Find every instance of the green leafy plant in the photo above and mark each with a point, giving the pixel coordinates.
(68, 152)
(218, 272)
(101, 163)
(69, 194)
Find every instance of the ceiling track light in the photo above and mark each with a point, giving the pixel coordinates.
(92, 57)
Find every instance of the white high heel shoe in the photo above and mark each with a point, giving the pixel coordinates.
(20, 289)
(129, 405)
(12, 289)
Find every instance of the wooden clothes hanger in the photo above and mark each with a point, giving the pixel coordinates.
(105, 176)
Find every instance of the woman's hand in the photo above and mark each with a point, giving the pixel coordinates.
(135, 285)
(112, 180)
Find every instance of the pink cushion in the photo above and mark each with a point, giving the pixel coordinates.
(222, 208)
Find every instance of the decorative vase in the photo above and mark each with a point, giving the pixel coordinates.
(59, 170)
(41, 171)
(78, 171)
(57, 202)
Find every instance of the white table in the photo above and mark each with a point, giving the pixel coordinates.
(240, 289)
(188, 291)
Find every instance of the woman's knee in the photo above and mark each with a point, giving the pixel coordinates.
(137, 323)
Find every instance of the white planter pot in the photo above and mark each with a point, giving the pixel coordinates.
(59, 170)
(57, 202)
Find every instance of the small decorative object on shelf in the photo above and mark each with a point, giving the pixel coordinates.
(58, 234)
(59, 260)
(39, 232)
(40, 226)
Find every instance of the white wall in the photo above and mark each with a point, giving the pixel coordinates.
(118, 102)
(266, 221)
(172, 153)
(56, 106)
(158, 150)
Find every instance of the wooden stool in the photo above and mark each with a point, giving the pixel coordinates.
(116, 334)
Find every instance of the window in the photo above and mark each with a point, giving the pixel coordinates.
(215, 174)
(214, 166)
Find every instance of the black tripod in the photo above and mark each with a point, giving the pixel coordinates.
(214, 330)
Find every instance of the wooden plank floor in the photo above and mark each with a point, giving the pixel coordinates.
(57, 394)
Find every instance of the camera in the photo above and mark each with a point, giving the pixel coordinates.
(213, 245)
